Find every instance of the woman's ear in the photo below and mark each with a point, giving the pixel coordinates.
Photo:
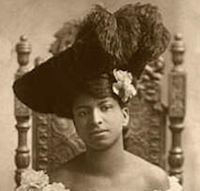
(125, 112)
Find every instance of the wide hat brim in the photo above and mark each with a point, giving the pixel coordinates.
(39, 88)
(127, 39)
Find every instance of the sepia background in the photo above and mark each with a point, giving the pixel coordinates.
(40, 19)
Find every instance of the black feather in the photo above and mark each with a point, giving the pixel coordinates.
(132, 36)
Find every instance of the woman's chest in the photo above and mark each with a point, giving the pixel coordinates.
(98, 183)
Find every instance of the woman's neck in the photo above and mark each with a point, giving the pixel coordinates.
(106, 162)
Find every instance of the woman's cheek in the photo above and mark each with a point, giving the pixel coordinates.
(83, 122)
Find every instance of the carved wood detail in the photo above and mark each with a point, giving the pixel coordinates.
(145, 136)
(177, 107)
(65, 143)
(22, 113)
(40, 147)
(55, 141)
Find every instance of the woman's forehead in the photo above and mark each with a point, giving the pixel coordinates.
(87, 100)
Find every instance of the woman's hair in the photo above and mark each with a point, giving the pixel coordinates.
(96, 86)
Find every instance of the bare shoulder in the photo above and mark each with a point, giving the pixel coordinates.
(157, 177)
(61, 175)
(154, 176)
(66, 172)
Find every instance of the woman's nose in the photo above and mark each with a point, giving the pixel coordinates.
(96, 117)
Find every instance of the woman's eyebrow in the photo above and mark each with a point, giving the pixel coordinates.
(104, 101)
(81, 107)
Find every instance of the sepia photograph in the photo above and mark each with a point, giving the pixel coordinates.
(99, 95)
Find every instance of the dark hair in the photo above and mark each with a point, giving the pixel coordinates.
(96, 86)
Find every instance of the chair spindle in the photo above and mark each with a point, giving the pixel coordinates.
(22, 113)
(177, 107)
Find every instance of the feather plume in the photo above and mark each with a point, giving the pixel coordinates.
(133, 35)
(145, 39)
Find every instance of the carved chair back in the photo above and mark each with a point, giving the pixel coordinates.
(55, 140)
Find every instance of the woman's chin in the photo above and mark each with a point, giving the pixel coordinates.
(100, 143)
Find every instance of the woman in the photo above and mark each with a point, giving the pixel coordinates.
(92, 82)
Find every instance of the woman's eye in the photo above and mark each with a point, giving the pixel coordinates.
(82, 113)
(106, 107)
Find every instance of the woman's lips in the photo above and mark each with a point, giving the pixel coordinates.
(99, 133)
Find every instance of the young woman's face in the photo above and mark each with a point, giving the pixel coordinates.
(99, 122)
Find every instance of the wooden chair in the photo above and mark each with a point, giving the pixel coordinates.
(55, 141)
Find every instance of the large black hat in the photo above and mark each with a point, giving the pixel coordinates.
(126, 39)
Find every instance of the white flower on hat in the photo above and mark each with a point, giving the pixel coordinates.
(123, 87)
